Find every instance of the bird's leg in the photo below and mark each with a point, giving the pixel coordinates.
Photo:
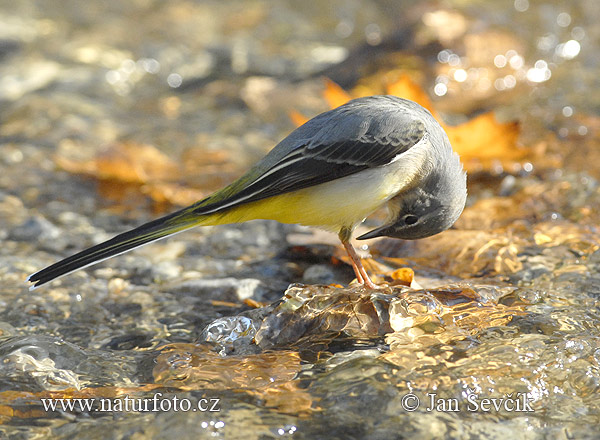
(355, 261)
(361, 274)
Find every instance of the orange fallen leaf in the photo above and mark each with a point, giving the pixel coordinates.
(254, 304)
(483, 139)
(128, 169)
(165, 193)
(404, 275)
(334, 94)
(219, 303)
(297, 118)
(127, 162)
(406, 88)
(380, 271)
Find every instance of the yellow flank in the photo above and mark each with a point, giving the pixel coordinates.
(331, 205)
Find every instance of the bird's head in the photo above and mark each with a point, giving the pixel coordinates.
(428, 209)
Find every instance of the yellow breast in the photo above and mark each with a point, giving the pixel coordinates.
(331, 205)
(343, 202)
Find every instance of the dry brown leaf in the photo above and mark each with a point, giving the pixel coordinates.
(404, 275)
(297, 118)
(483, 140)
(388, 271)
(334, 94)
(254, 304)
(128, 169)
(126, 162)
(406, 88)
(165, 193)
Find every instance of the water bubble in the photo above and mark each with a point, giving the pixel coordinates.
(578, 33)
(150, 65)
(499, 61)
(174, 80)
(510, 81)
(344, 29)
(516, 61)
(547, 42)
(454, 60)
(563, 19)
(568, 50)
(440, 89)
(442, 79)
(460, 75)
(474, 73)
(540, 72)
(443, 56)
(567, 111)
(128, 66)
(521, 5)
(373, 34)
(112, 77)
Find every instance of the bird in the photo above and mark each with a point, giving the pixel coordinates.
(331, 173)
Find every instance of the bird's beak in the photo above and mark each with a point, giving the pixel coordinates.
(379, 232)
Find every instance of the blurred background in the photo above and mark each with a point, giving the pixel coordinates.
(114, 112)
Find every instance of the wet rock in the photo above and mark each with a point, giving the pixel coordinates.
(40, 230)
(232, 334)
(12, 212)
(129, 342)
(319, 274)
(166, 270)
(223, 289)
(55, 364)
(8, 47)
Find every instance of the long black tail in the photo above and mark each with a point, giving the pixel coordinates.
(147, 233)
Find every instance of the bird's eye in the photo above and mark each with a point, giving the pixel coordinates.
(411, 219)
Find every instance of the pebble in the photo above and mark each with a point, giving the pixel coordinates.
(223, 289)
(39, 230)
(318, 274)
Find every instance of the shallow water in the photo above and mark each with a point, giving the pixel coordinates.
(232, 331)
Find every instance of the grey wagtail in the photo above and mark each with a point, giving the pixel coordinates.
(332, 172)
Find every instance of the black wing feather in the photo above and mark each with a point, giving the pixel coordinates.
(310, 165)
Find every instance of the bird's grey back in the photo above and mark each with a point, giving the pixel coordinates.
(381, 119)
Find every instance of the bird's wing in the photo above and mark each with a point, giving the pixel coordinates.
(311, 163)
